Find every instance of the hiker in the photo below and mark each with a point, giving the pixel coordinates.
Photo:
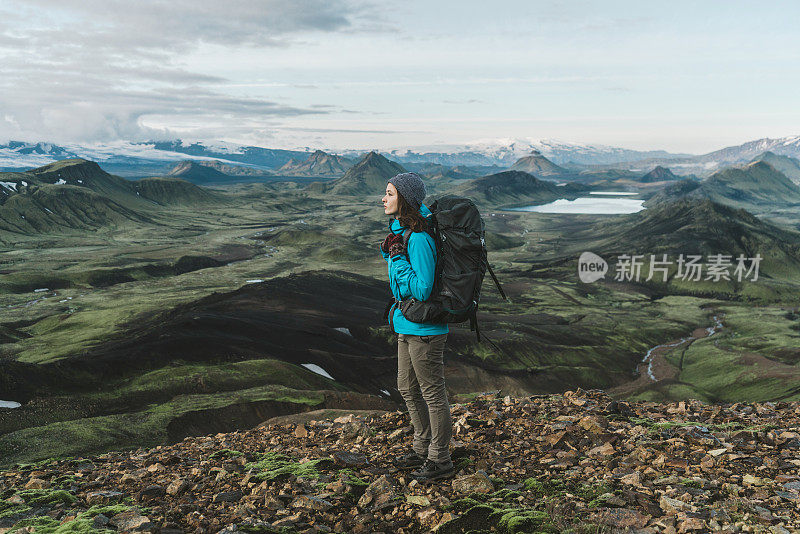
(420, 346)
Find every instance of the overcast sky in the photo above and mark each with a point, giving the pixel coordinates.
(332, 74)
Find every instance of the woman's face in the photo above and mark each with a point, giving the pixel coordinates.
(390, 203)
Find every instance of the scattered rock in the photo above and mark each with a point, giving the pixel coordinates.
(478, 482)
(379, 495)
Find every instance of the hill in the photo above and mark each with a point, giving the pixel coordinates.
(538, 165)
(76, 194)
(198, 174)
(509, 187)
(173, 191)
(577, 462)
(658, 174)
(318, 163)
(699, 226)
(790, 167)
(367, 177)
(757, 184)
(233, 170)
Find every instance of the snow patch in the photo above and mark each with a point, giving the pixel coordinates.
(344, 330)
(254, 281)
(60, 181)
(386, 393)
(9, 185)
(314, 368)
(40, 290)
(9, 404)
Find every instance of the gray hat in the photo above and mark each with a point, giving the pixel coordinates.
(411, 187)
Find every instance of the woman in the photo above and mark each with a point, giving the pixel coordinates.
(420, 367)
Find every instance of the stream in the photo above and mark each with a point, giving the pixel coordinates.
(648, 358)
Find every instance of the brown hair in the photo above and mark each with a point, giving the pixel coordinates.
(408, 216)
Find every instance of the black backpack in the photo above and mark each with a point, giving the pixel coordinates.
(461, 263)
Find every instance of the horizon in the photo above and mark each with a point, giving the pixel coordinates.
(342, 74)
(365, 150)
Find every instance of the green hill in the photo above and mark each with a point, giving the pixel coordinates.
(698, 226)
(509, 187)
(755, 185)
(367, 177)
(788, 166)
(173, 191)
(77, 194)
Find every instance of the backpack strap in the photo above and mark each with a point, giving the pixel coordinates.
(500, 289)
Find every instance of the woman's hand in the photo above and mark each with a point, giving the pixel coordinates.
(392, 240)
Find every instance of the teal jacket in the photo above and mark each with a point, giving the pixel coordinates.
(413, 277)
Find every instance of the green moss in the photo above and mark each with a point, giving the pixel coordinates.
(226, 453)
(47, 525)
(352, 478)
(273, 465)
(39, 497)
(10, 510)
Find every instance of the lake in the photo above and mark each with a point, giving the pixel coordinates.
(601, 204)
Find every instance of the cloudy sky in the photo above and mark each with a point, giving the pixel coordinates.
(681, 76)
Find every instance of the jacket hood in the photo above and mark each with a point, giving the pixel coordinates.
(395, 226)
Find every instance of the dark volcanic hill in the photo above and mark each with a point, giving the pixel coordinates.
(367, 177)
(538, 165)
(658, 174)
(509, 186)
(198, 174)
(317, 164)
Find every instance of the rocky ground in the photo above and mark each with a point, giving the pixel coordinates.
(578, 462)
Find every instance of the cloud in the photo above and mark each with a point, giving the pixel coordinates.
(98, 70)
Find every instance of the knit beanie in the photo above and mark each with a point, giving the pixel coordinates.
(411, 187)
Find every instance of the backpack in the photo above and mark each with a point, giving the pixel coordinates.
(458, 233)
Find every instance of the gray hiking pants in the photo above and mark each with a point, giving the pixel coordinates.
(420, 380)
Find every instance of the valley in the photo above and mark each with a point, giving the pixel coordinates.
(204, 308)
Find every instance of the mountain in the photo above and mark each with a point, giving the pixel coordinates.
(538, 165)
(789, 166)
(509, 186)
(233, 170)
(367, 177)
(658, 174)
(137, 159)
(701, 226)
(755, 184)
(198, 174)
(785, 146)
(78, 194)
(317, 164)
(504, 152)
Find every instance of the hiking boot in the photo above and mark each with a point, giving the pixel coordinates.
(431, 470)
(408, 461)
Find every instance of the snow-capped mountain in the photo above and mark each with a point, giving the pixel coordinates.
(131, 158)
(504, 152)
(126, 157)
